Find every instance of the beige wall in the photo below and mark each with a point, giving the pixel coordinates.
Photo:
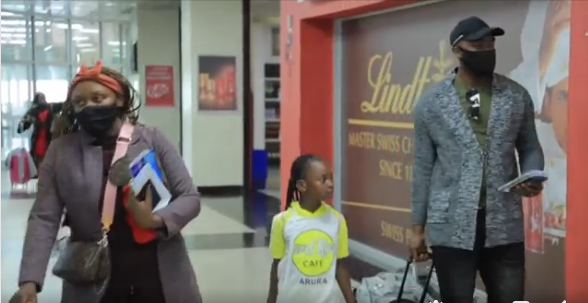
(212, 141)
(158, 37)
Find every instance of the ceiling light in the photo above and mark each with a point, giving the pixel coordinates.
(20, 42)
(13, 22)
(89, 30)
(13, 29)
(87, 50)
(80, 38)
(48, 48)
(65, 26)
(115, 43)
(7, 14)
(12, 36)
(85, 45)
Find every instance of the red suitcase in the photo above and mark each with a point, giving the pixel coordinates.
(21, 166)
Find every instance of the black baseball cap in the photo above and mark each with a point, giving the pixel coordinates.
(472, 29)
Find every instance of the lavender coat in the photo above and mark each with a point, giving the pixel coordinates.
(70, 178)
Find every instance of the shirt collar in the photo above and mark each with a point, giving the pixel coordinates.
(305, 213)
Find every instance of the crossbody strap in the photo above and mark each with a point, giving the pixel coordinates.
(109, 202)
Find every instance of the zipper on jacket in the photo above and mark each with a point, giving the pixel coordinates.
(484, 185)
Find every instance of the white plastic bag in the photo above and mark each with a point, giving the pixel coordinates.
(384, 288)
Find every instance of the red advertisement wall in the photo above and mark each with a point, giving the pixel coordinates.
(308, 95)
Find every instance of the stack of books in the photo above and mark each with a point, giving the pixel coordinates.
(146, 172)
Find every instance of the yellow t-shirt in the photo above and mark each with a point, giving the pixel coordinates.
(309, 245)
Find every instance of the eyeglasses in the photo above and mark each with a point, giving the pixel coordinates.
(473, 96)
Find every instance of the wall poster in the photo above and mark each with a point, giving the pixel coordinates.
(383, 78)
(159, 85)
(217, 86)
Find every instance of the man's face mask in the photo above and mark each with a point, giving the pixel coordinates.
(479, 63)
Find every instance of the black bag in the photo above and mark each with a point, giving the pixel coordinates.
(83, 262)
(425, 287)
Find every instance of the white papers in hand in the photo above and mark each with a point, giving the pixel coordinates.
(533, 174)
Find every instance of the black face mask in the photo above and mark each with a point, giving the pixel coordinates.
(97, 120)
(480, 63)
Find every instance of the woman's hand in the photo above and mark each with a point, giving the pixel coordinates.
(26, 294)
(142, 211)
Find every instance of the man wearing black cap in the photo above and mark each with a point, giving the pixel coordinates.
(466, 130)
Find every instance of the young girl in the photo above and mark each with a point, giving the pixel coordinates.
(309, 241)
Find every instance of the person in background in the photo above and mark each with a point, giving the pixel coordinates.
(73, 177)
(463, 154)
(40, 117)
(309, 241)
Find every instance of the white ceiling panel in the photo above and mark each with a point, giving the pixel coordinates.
(262, 10)
(95, 10)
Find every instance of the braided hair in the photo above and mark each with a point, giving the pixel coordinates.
(64, 123)
(297, 173)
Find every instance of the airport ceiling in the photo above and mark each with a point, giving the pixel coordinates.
(263, 10)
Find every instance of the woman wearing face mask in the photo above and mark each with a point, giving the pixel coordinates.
(95, 122)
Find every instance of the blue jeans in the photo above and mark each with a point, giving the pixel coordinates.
(502, 269)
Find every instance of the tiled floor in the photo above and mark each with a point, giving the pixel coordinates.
(227, 245)
(273, 178)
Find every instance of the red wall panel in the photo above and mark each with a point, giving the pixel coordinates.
(577, 208)
(307, 75)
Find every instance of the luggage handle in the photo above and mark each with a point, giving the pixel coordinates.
(425, 287)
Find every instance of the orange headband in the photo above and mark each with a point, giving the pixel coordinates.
(95, 74)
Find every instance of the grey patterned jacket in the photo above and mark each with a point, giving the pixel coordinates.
(448, 164)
